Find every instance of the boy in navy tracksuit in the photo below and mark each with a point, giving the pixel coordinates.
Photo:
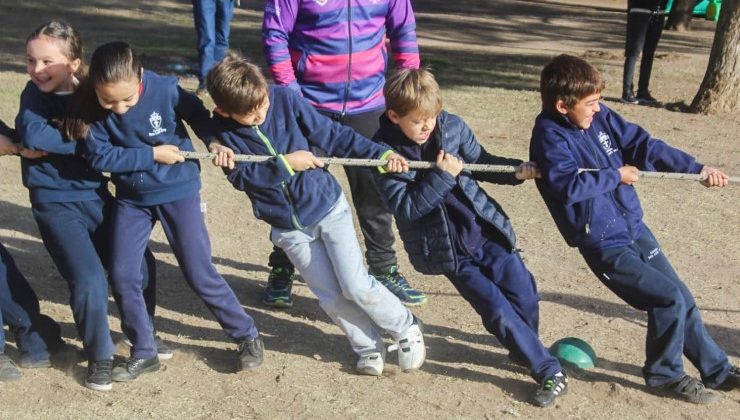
(599, 212)
(450, 226)
(35, 334)
(137, 131)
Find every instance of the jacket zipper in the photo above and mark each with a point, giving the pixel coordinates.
(349, 59)
(293, 212)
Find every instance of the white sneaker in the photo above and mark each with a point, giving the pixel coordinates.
(370, 364)
(410, 346)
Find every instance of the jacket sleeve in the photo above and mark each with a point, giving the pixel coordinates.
(35, 130)
(334, 138)
(250, 176)
(560, 173)
(640, 149)
(277, 25)
(191, 109)
(8, 132)
(400, 25)
(105, 157)
(472, 152)
(412, 201)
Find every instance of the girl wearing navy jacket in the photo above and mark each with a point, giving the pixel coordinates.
(131, 121)
(310, 217)
(35, 334)
(598, 211)
(70, 200)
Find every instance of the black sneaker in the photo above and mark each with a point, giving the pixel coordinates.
(394, 281)
(279, 286)
(689, 389)
(646, 98)
(134, 367)
(99, 375)
(732, 381)
(629, 98)
(8, 370)
(164, 352)
(251, 353)
(550, 389)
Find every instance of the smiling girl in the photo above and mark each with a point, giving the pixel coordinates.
(69, 199)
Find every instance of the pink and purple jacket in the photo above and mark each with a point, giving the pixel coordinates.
(333, 51)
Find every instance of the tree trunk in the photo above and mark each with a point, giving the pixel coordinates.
(681, 14)
(720, 90)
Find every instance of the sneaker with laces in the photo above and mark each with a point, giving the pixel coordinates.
(629, 98)
(410, 347)
(99, 375)
(732, 381)
(279, 285)
(645, 98)
(550, 389)
(251, 353)
(133, 367)
(8, 370)
(689, 389)
(371, 364)
(394, 281)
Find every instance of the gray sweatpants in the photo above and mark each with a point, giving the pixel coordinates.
(328, 256)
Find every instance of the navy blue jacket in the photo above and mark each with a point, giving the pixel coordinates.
(63, 175)
(421, 200)
(8, 132)
(281, 197)
(123, 144)
(593, 209)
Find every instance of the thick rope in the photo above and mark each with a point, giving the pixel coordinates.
(473, 167)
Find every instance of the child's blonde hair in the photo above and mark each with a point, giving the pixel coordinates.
(236, 85)
(409, 90)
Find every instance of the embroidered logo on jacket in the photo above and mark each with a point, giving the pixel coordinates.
(606, 143)
(321, 2)
(156, 121)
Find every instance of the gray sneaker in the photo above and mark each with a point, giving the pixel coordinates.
(688, 389)
(251, 353)
(134, 367)
(8, 370)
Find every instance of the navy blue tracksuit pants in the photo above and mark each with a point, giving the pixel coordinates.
(34, 333)
(642, 276)
(185, 228)
(503, 292)
(75, 235)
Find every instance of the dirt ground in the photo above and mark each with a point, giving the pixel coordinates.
(487, 56)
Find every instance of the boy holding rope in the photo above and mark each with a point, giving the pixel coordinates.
(310, 217)
(599, 212)
(450, 226)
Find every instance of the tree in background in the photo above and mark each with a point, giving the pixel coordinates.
(720, 90)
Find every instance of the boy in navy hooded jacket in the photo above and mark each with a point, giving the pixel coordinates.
(450, 226)
(598, 211)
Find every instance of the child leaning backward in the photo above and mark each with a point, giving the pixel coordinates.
(310, 217)
(450, 226)
(598, 212)
(131, 124)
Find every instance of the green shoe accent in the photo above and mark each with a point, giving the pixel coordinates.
(394, 281)
(278, 290)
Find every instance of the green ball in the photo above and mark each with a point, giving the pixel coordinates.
(574, 352)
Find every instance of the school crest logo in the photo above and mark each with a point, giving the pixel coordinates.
(156, 121)
(606, 143)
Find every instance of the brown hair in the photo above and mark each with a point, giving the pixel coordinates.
(569, 79)
(110, 63)
(68, 38)
(236, 85)
(408, 90)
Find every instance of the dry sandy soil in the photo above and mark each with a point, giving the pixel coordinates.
(488, 55)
